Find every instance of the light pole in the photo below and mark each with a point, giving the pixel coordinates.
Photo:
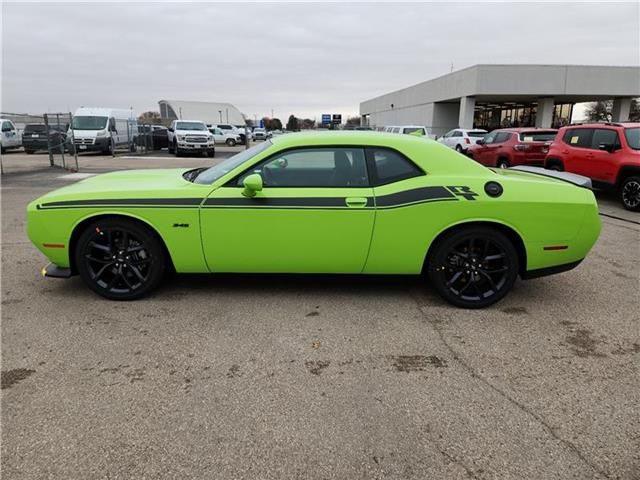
(220, 112)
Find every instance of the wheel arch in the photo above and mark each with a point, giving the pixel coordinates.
(509, 231)
(626, 172)
(553, 161)
(82, 224)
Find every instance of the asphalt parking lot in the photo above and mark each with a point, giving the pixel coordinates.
(274, 377)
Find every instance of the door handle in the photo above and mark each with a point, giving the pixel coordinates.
(356, 202)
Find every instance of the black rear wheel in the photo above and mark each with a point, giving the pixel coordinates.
(473, 267)
(630, 193)
(502, 163)
(120, 259)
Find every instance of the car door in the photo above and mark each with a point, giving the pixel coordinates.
(314, 214)
(576, 150)
(9, 135)
(604, 155)
(483, 153)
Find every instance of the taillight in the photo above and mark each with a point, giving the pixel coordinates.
(466, 140)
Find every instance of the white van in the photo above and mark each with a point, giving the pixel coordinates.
(419, 130)
(103, 129)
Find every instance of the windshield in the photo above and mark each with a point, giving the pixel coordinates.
(214, 173)
(190, 126)
(89, 123)
(633, 137)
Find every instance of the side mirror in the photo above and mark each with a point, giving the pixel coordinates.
(252, 184)
(169, 129)
(480, 141)
(607, 147)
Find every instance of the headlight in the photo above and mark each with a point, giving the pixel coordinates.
(101, 133)
(180, 137)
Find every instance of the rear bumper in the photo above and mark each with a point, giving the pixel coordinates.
(544, 272)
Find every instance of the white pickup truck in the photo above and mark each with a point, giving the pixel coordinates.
(9, 137)
(190, 136)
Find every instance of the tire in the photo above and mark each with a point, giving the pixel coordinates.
(458, 148)
(630, 193)
(502, 163)
(3, 150)
(211, 153)
(554, 165)
(29, 152)
(133, 148)
(171, 148)
(104, 266)
(492, 266)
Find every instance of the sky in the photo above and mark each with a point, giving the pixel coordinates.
(293, 58)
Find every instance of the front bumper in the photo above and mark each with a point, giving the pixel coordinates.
(196, 147)
(100, 144)
(54, 271)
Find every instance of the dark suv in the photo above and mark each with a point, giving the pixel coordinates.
(509, 147)
(35, 137)
(608, 153)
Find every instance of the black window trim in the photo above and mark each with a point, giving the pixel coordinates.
(233, 183)
(373, 171)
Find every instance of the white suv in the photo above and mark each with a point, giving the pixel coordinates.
(461, 139)
(9, 137)
(190, 136)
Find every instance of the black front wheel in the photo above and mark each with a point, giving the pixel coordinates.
(630, 193)
(473, 267)
(120, 259)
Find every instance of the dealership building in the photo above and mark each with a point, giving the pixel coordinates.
(212, 113)
(495, 96)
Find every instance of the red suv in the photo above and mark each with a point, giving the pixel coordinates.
(608, 153)
(508, 147)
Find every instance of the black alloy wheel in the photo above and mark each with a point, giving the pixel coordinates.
(473, 267)
(630, 193)
(120, 259)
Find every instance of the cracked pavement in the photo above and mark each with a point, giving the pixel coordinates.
(277, 377)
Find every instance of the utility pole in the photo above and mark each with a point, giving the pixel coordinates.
(220, 112)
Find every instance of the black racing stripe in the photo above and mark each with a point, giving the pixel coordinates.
(414, 196)
(282, 202)
(155, 202)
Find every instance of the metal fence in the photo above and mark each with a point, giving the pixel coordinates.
(59, 146)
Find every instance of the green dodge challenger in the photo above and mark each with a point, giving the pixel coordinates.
(348, 202)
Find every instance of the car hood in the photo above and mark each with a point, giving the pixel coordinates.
(193, 132)
(129, 184)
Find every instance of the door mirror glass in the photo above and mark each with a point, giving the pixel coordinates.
(252, 184)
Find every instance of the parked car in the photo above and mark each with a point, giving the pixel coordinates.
(103, 129)
(509, 147)
(460, 139)
(225, 137)
(259, 134)
(190, 136)
(341, 202)
(9, 136)
(417, 130)
(155, 137)
(35, 137)
(607, 153)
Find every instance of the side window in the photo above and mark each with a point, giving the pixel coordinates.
(317, 167)
(490, 138)
(579, 137)
(603, 136)
(457, 133)
(6, 127)
(391, 166)
(502, 137)
(448, 134)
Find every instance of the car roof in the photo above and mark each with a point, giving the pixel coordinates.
(526, 129)
(604, 124)
(348, 137)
